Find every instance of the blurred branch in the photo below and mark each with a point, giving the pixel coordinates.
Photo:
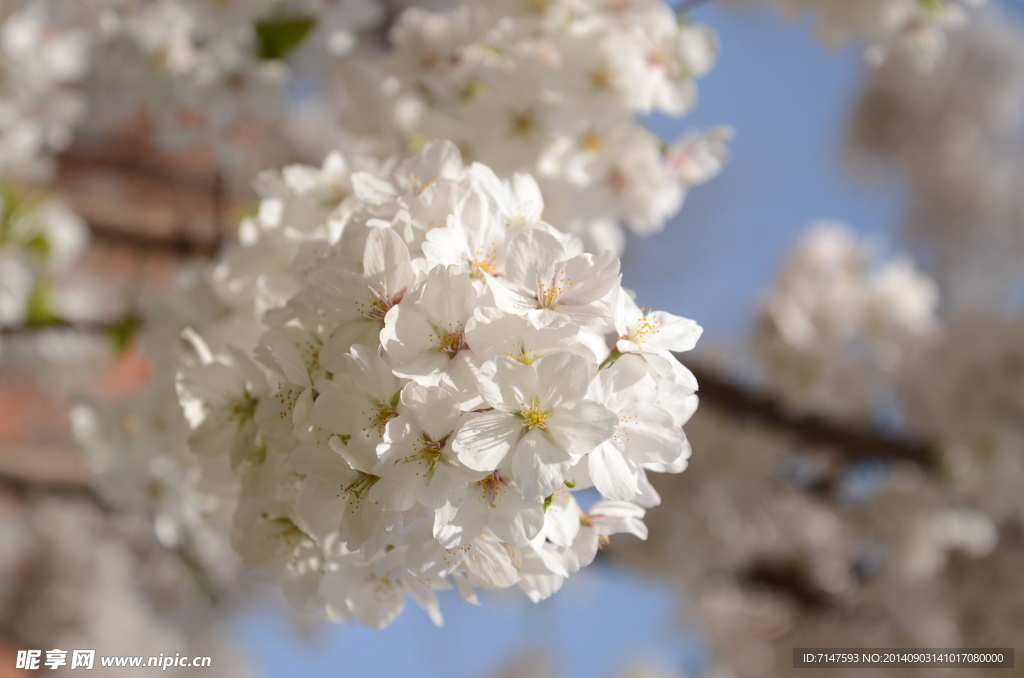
(154, 202)
(853, 442)
(179, 244)
(111, 328)
(193, 565)
(137, 165)
(60, 466)
(25, 485)
(789, 580)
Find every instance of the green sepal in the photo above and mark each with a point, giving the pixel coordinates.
(38, 246)
(280, 36)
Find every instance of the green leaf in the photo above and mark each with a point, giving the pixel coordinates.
(124, 331)
(932, 6)
(40, 306)
(280, 36)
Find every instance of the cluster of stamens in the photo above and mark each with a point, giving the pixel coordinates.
(427, 450)
(550, 291)
(450, 340)
(485, 261)
(380, 416)
(491, 486)
(621, 435)
(648, 326)
(380, 301)
(523, 354)
(533, 416)
(359, 487)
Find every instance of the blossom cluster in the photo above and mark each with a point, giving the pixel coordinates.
(206, 71)
(412, 375)
(41, 60)
(513, 84)
(953, 135)
(419, 374)
(205, 68)
(834, 323)
(554, 89)
(974, 406)
(914, 27)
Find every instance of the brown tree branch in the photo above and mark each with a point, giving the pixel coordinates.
(789, 580)
(139, 197)
(852, 441)
(31, 486)
(24, 467)
(62, 475)
(109, 156)
(180, 245)
(100, 327)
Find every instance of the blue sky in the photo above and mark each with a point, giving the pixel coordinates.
(787, 99)
(600, 619)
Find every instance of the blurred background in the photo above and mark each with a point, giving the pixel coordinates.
(858, 466)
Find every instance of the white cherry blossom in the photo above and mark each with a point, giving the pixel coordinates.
(417, 463)
(548, 285)
(425, 334)
(541, 422)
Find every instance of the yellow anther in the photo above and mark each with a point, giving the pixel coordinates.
(533, 416)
